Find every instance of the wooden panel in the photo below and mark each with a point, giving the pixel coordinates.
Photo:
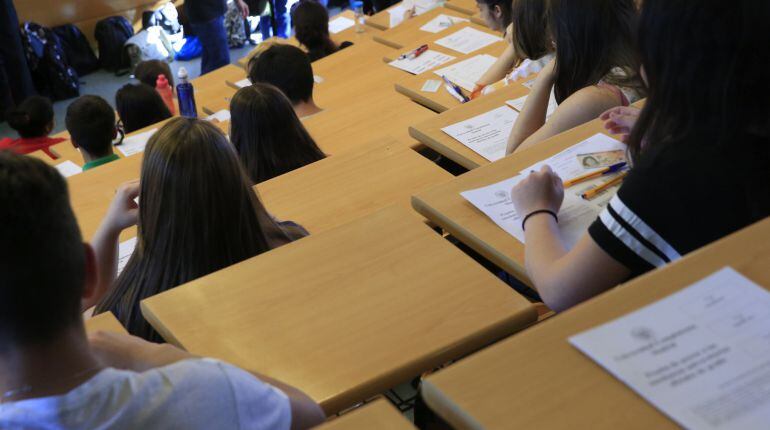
(104, 322)
(409, 31)
(377, 415)
(467, 7)
(536, 379)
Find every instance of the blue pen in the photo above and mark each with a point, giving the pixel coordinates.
(454, 90)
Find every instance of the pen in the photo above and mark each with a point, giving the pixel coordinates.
(413, 54)
(454, 90)
(599, 188)
(595, 174)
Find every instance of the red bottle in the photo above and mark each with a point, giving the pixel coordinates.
(166, 93)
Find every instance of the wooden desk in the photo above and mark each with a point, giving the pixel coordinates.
(430, 38)
(217, 78)
(536, 379)
(104, 322)
(447, 208)
(342, 188)
(377, 415)
(345, 314)
(42, 156)
(406, 33)
(429, 132)
(467, 7)
(476, 19)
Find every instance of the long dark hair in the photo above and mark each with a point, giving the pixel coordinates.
(311, 28)
(267, 134)
(530, 39)
(592, 37)
(139, 106)
(198, 213)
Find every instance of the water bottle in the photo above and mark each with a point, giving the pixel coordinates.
(164, 89)
(186, 95)
(358, 10)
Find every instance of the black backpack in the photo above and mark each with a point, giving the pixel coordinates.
(52, 76)
(76, 49)
(111, 34)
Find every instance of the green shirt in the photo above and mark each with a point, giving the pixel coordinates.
(100, 161)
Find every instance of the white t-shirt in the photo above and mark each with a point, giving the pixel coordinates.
(190, 394)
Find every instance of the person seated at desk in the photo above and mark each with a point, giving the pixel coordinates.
(147, 72)
(197, 214)
(33, 120)
(595, 68)
(53, 376)
(139, 106)
(287, 68)
(267, 134)
(310, 20)
(700, 150)
(91, 124)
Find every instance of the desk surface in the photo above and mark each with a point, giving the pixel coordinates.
(407, 32)
(345, 314)
(377, 415)
(467, 7)
(429, 132)
(104, 322)
(342, 188)
(447, 208)
(505, 387)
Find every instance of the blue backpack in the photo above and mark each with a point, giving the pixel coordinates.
(52, 75)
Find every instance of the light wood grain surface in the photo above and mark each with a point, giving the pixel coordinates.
(104, 322)
(344, 314)
(467, 7)
(377, 415)
(407, 32)
(536, 379)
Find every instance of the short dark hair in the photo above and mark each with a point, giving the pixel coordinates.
(139, 106)
(286, 67)
(91, 123)
(311, 28)
(42, 257)
(32, 117)
(147, 72)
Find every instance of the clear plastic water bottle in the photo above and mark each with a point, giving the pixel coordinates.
(358, 10)
(186, 95)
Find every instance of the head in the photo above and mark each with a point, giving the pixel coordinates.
(287, 68)
(703, 81)
(139, 105)
(530, 38)
(147, 72)
(91, 124)
(591, 37)
(32, 118)
(44, 266)
(311, 28)
(495, 13)
(198, 213)
(267, 134)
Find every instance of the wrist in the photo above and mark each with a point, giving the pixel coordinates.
(538, 213)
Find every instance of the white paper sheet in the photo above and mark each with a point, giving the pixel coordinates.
(397, 14)
(427, 61)
(340, 23)
(317, 79)
(467, 72)
(701, 355)
(518, 104)
(431, 86)
(420, 6)
(125, 250)
(68, 168)
(530, 83)
(441, 22)
(467, 40)
(221, 116)
(243, 83)
(135, 144)
(486, 134)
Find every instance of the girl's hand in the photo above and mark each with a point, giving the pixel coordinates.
(540, 190)
(123, 211)
(620, 120)
(478, 90)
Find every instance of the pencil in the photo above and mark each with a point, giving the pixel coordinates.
(582, 178)
(601, 187)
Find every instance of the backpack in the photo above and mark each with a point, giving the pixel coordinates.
(236, 32)
(46, 59)
(77, 51)
(111, 34)
(166, 17)
(149, 44)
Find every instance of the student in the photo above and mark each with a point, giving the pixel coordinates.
(528, 49)
(595, 69)
(497, 16)
(267, 134)
(289, 69)
(702, 172)
(139, 106)
(52, 376)
(91, 123)
(33, 120)
(311, 28)
(147, 72)
(197, 214)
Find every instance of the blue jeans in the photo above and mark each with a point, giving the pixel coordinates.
(213, 38)
(281, 21)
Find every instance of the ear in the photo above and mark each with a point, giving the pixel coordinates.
(92, 278)
(497, 11)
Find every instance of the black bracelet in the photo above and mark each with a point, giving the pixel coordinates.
(539, 211)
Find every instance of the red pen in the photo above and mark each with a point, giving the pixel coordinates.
(414, 54)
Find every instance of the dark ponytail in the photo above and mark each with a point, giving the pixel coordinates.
(32, 117)
(311, 28)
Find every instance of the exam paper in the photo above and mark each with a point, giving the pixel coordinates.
(420, 6)
(243, 83)
(68, 168)
(486, 134)
(427, 61)
(125, 250)
(317, 79)
(467, 40)
(467, 72)
(431, 86)
(397, 15)
(340, 23)
(441, 22)
(135, 144)
(518, 104)
(701, 355)
(221, 116)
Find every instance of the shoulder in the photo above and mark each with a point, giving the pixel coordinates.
(582, 106)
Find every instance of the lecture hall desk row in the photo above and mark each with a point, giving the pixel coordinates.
(466, 8)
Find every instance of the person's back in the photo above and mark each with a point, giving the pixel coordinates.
(91, 124)
(140, 106)
(33, 119)
(54, 377)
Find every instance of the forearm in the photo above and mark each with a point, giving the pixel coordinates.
(499, 69)
(305, 411)
(544, 248)
(105, 245)
(532, 116)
